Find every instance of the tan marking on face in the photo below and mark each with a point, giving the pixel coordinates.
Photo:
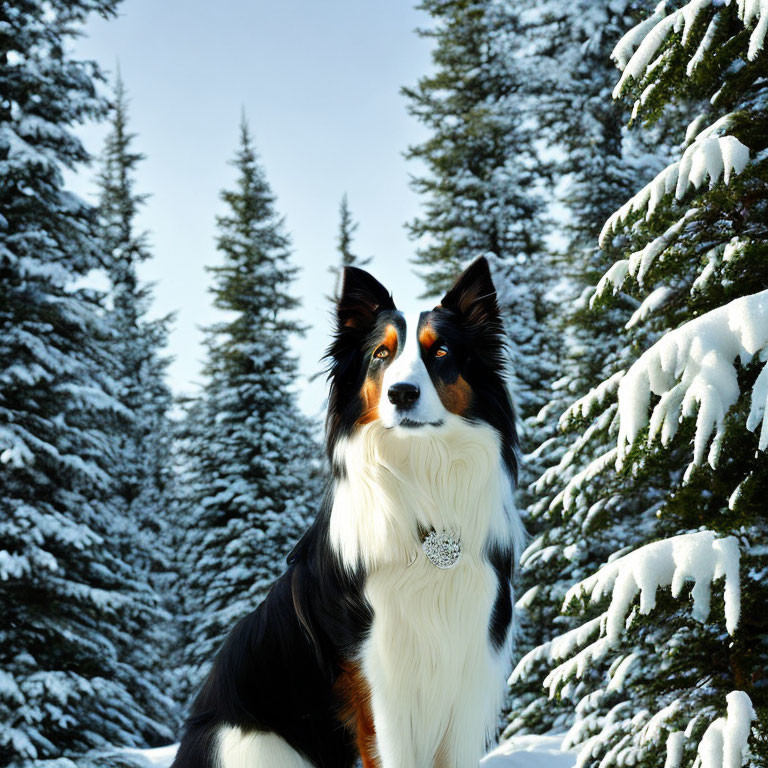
(427, 337)
(370, 396)
(354, 695)
(371, 391)
(390, 339)
(456, 397)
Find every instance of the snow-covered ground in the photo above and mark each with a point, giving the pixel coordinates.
(160, 757)
(518, 752)
(530, 752)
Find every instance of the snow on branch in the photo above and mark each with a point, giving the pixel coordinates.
(692, 371)
(559, 648)
(650, 35)
(725, 742)
(624, 49)
(568, 496)
(693, 368)
(653, 36)
(651, 303)
(708, 156)
(597, 396)
(555, 473)
(704, 46)
(641, 261)
(614, 278)
(754, 10)
(699, 558)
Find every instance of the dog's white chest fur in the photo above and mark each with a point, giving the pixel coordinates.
(436, 681)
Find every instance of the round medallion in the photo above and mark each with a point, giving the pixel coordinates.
(441, 549)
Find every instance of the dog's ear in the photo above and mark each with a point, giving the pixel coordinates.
(362, 297)
(473, 296)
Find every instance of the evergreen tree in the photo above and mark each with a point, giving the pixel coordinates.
(143, 471)
(671, 454)
(252, 478)
(68, 597)
(481, 164)
(570, 77)
(347, 229)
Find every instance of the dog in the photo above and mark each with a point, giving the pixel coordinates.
(387, 637)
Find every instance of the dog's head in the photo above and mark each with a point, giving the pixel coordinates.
(415, 372)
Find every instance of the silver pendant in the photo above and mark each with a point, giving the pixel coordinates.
(441, 549)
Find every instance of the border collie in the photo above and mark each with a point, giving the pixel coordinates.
(387, 636)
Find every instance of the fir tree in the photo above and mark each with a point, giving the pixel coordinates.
(347, 228)
(253, 478)
(68, 597)
(598, 161)
(672, 448)
(479, 195)
(143, 471)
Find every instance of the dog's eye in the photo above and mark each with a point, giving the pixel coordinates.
(382, 352)
(441, 351)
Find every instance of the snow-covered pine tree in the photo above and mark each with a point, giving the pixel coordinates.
(253, 480)
(189, 448)
(479, 188)
(596, 162)
(67, 596)
(684, 424)
(483, 190)
(347, 228)
(143, 471)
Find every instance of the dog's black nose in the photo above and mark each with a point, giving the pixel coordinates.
(403, 394)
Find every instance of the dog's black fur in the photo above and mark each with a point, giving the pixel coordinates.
(277, 668)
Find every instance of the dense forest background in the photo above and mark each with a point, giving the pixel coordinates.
(610, 158)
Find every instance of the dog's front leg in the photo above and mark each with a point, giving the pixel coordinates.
(421, 723)
(397, 744)
(409, 724)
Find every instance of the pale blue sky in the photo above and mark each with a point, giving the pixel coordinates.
(319, 82)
